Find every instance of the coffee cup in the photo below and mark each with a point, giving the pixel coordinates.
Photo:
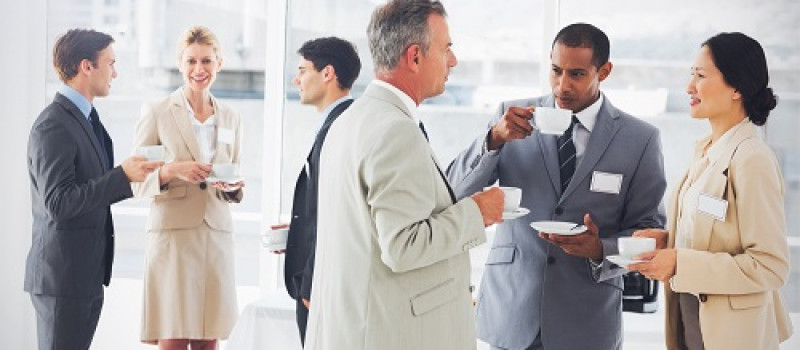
(630, 247)
(225, 171)
(550, 120)
(513, 196)
(152, 153)
(275, 239)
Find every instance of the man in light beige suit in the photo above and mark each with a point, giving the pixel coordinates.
(392, 264)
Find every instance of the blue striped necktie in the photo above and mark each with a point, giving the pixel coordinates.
(566, 154)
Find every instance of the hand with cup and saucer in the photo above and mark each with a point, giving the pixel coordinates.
(154, 153)
(573, 238)
(630, 248)
(225, 176)
(512, 199)
(274, 239)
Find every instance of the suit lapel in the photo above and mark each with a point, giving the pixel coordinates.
(550, 152)
(313, 155)
(76, 114)
(603, 133)
(384, 94)
(716, 184)
(179, 115)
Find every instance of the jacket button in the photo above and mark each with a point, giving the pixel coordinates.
(551, 260)
(203, 185)
(559, 210)
(703, 298)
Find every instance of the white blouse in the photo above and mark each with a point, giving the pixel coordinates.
(205, 133)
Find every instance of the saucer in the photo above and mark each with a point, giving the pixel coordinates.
(622, 261)
(558, 227)
(232, 181)
(511, 215)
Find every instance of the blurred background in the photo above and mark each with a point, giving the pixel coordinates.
(503, 52)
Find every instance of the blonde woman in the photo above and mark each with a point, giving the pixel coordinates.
(726, 252)
(189, 287)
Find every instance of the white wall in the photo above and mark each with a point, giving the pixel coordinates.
(24, 60)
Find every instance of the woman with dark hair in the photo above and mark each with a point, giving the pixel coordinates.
(725, 254)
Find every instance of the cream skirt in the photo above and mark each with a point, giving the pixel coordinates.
(189, 285)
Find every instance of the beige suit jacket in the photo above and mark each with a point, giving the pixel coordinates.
(392, 264)
(180, 204)
(735, 266)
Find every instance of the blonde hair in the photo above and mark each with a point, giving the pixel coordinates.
(198, 35)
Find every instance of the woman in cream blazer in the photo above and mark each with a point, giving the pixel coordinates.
(189, 286)
(727, 254)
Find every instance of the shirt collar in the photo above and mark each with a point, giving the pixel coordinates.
(717, 148)
(209, 122)
(76, 98)
(333, 105)
(588, 116)
(407, 101)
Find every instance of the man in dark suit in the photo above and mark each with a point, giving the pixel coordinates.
(326, 72)
(73, 184)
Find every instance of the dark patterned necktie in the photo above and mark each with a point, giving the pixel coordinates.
(566, 154)
(94, 119)
(444, 178)
(422, 127)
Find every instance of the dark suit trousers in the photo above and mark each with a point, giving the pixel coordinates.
(66, 323)
(302, 319)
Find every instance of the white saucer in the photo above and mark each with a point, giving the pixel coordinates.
(622, 261)
(558, 227)
(234, 180)
(511, 215)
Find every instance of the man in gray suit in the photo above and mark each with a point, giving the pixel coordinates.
(70, 155)
(541, 290)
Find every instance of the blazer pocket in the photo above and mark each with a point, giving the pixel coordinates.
(501, 255)
(747, 301)
(433, 298)
(176, 192)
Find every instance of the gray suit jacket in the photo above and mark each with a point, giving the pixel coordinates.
(71, 194)
(392, 259)
(530, 285)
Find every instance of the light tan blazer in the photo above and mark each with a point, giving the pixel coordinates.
(736, 266)
(392, 264)
(180, 204)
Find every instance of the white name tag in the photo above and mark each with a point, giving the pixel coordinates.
(225, 136)
(606, 182)
(716, 207)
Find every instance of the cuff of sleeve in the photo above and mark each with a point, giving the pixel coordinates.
(485, 149)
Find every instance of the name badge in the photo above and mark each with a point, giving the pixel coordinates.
(606, 182)
(225, 136)
(713, 206)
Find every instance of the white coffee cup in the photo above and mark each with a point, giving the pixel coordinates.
(153, 153)
(552, 121)
(225, 171)
(513, 196)
(630, 247)
(275, 239)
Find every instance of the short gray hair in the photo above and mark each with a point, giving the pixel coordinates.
(397, 25)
